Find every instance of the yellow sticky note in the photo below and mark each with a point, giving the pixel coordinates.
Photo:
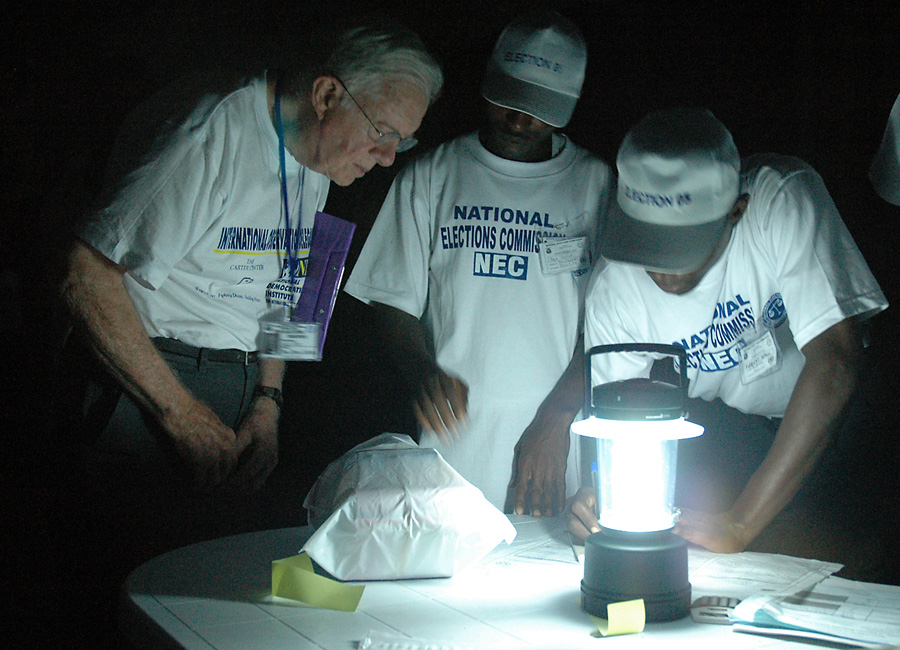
(293, 577)
(626, 617)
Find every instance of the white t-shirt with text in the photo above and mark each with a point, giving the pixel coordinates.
(456, 243)
(200, 226)
(790, 271)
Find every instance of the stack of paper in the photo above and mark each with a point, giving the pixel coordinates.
(854, 613)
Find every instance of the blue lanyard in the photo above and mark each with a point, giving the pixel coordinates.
(289, 244)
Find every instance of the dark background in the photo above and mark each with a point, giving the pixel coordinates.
(807, 78)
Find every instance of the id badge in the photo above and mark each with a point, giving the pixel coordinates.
(760, 358)
(291, 340)
(561, 255)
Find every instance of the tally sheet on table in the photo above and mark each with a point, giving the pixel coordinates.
(735, 575)
(537, 540)
(741, 575)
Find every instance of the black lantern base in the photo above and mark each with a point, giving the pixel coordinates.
(621, 565)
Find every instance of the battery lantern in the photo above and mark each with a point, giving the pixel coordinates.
(633, 428)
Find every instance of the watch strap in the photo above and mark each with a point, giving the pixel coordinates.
(273, 394)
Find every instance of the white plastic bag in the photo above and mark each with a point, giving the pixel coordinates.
(391, 509)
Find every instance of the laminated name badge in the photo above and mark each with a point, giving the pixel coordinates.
(290, 340)
(760, 358)
(560, 255)
(302, 336)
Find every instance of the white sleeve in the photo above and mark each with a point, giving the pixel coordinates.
(607, 323)
(162, 208)
(821, 274)
(393, 266)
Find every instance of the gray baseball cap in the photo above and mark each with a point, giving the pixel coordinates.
(537, 67)
(679, 176)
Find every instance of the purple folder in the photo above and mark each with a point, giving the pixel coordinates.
(331, 239)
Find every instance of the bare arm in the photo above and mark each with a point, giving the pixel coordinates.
(539, 467)
(95, 296)
(258, 432)
(440, 399)
(823, 390)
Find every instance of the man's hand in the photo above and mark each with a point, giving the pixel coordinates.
(258, 434)
(539, 464)
(208, 449)
(441, 405)
(581, 515)
(717, 532)
(96, 297)
(439, 400)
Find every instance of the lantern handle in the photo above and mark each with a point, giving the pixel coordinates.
(660, 348)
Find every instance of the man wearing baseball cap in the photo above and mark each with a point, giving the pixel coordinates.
(477, 265)
(754, 273)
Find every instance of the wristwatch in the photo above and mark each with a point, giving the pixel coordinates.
(273, 394)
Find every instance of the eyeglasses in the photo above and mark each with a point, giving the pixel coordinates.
(376, 134)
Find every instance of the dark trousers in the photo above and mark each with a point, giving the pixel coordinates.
(129, 436)
(122, 495)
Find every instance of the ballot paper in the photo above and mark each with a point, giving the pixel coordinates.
(741, 575)
(854, 613)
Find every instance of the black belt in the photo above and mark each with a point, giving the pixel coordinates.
(205, 354)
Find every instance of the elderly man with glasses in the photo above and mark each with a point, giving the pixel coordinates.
(477, 266)
(205, 237)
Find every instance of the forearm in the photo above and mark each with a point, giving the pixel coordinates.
(439, 400)
(96, 298)
(271, 373)
(567, 396)
(257, 434)
(541, 454)
(822, 392)
(559, 408)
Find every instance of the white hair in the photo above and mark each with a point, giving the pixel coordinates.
(367, 58)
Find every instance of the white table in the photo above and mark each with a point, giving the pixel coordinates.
(216, 596)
